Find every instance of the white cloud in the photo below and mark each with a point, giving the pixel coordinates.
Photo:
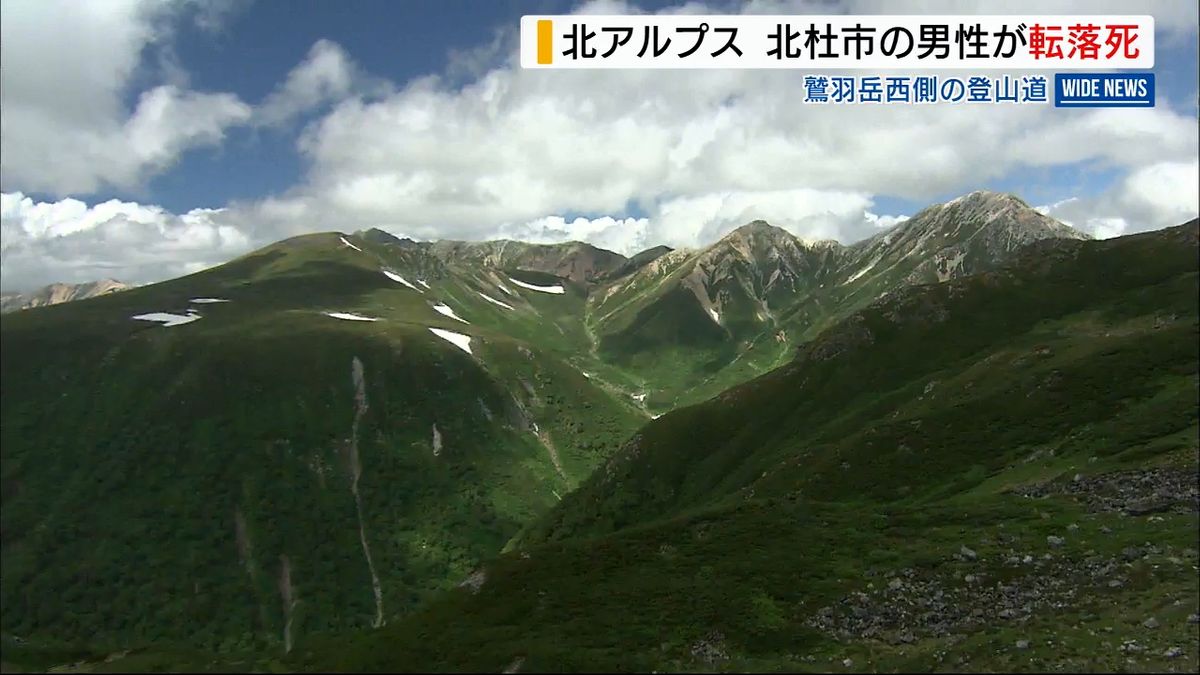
(694, 151)
(327, 74)
(1125, 137)
(65, 129)
(811, 214)
(40, 155)
(1152, 197)
(883, 222)
(1166, 193)
(167, 121)
(68, 241)
(695, 221)
(623, 235)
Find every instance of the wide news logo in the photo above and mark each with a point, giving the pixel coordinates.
(1104, 90)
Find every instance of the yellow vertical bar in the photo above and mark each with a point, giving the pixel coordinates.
(545, 41)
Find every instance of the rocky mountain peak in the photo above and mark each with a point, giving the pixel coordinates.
(378, 236)
(999, 214)
(758, 229)
(762, 233)
(988, 198)
(59, 293)
(574, 260)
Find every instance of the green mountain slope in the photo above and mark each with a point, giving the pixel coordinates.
(994, 473)
(695, 323)
(876, 380)
(262, 470)
(576, 261)
(334, 429)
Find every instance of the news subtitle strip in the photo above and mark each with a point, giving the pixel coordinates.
(824, 89)
(1013, 42)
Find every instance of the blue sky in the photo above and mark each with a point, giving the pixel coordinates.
(220, 126)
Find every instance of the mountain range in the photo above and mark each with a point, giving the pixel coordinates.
(996, 473)
(356, 451)
(56, 293)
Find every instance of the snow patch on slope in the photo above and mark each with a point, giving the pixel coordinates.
(861, 272)
(207, 301)
(494, 301)
(350, 316)
(350, 245)
(715, 316)
(556, 289)
(168, 319)
(445, 310)
(396, 277)
(459, 340)
(424, 283)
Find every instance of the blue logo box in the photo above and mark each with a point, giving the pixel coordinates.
(1104, 90)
